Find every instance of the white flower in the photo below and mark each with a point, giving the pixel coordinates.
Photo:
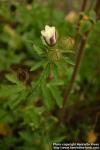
(49, 35)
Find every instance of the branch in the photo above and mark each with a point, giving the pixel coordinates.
(77, 36)
(74, 74)
(97, 7)
(84, 5)
(79, 57)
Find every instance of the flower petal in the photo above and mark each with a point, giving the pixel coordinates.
(43, 32)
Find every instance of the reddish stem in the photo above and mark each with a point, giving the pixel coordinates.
(97, 7)
(74, 75)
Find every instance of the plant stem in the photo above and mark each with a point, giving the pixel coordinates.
(74, 74)
(97, 7)
(84, 5)
(77, 36)
(79, 57)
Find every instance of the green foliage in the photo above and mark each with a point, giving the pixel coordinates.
(33, 77)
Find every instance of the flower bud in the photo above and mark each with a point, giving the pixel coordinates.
(54, 55)
(70, 42)
(49, 35)
(72, 17)
(91, 136)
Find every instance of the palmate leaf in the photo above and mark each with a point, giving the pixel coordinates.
(5, 117)
(59, 139)
(68, 51)
(47, 97)
(85, 26)
(17, 99)
(27, 136)
(46, 71)
(92, 15)
(56, 83)
(68, 61)
(56, 95)
(38, 65)
(54, 68)
(12, 78)
(50, 92)
(37, 49)
(8, 90)
(45, 74)
(31, 116)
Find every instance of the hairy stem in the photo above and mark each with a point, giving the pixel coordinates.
(97, 7)
(77, 36)
(77, 63)
(84, 5)
(79, 57)
(74, 74)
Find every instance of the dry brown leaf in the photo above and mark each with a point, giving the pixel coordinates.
(91, 136)
(5, 129)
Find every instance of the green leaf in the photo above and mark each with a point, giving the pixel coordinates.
(36, 66)
(55, 70)
(8, 90)
(85, 26)
(59, 139)
(5, 116)
(56, 95)
(69, 61)
(48, 101)
(30, 116)
(17, 99)
(92, 15)
(68, 51)
(45, 73)
(12, 78)
(56, 83)
(37, 50)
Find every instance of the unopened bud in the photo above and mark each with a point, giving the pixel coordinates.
(70, 42)
(49, 35)
(72, 17)
(91, 137)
